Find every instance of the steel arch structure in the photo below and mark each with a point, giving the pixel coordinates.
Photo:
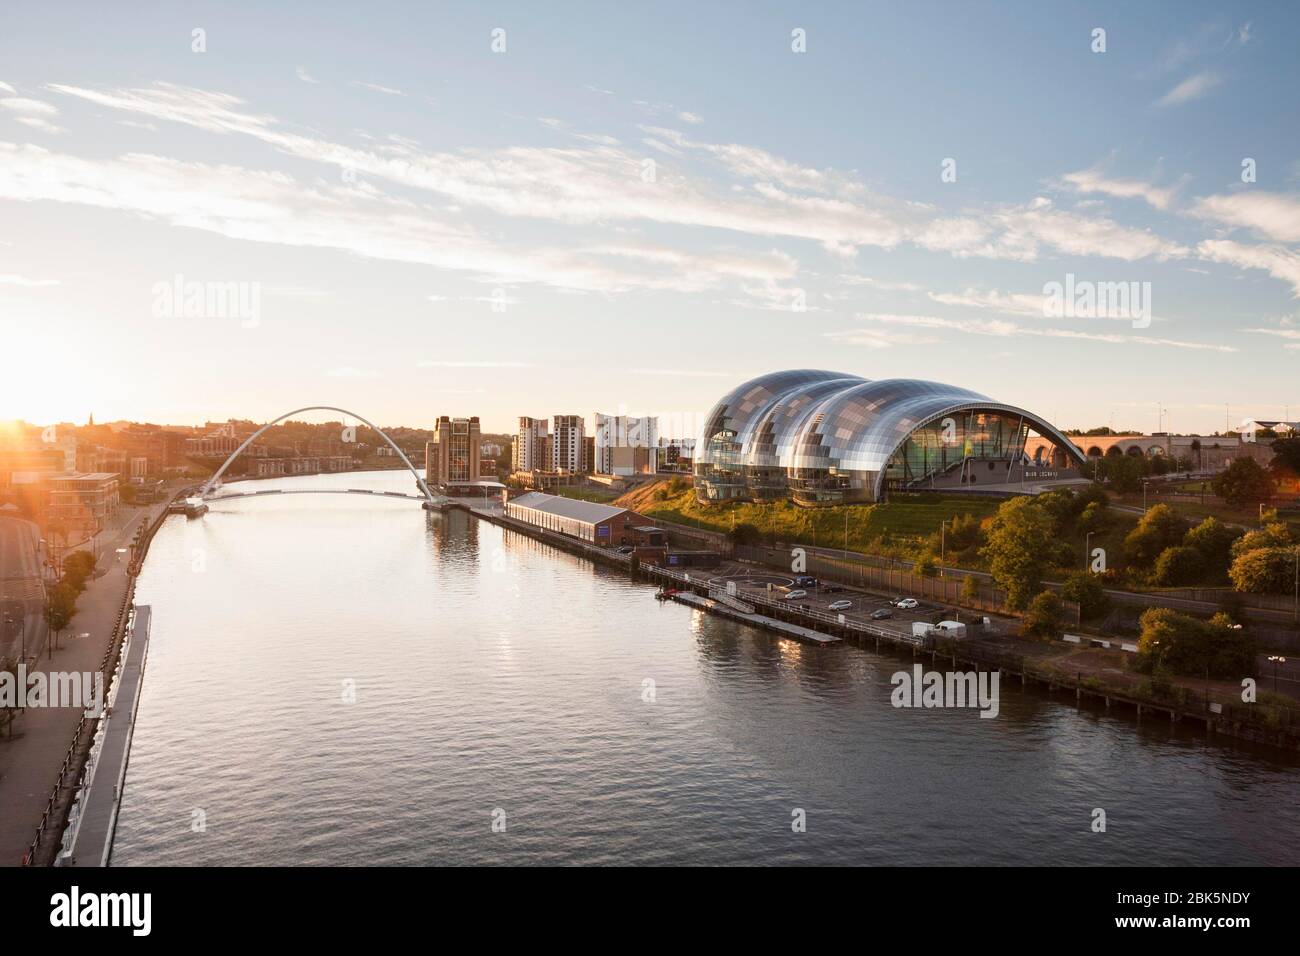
(208, 485)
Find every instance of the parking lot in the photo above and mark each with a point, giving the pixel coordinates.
(754, 581)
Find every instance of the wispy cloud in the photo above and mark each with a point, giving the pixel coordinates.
(27, 283)
(303, 75)
(1192, 88)
(377, 88)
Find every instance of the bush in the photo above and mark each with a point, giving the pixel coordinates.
(927, 565)
(1213, 541)
(970, 589)
(1045, 616)
(1088, 591)
(1160, 528)
(1179, 566)
(1180, 644)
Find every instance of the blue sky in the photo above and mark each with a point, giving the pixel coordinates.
(634, 207)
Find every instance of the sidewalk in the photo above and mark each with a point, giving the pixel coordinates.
(30, 762)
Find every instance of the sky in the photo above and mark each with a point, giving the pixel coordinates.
(494, 209)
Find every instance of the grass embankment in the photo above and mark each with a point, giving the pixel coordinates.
(901, 527)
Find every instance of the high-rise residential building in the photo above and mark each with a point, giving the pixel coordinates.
(529, 446)
(567, 433)
(623, 431)
(453, 456)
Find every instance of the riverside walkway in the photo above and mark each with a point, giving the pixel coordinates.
(88, 840)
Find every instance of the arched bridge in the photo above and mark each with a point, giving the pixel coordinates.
(214, 482)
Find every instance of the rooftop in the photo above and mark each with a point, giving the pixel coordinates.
(588, 511)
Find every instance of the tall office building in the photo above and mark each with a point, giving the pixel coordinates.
(567, 434)
(529, 446)
(453, 456)
(623, 431)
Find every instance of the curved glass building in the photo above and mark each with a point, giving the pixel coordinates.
(830, 437)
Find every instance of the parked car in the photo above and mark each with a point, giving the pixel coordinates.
(795, 595)
(831, 589)
(882, 613)
(805, 580)
(906, 604)
(841, 605)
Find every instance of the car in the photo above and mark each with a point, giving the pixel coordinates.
(805, 581)
(907, 604)
(840, 606)
(795, 595)
(626, 549)
(831, 589)
(881, 613)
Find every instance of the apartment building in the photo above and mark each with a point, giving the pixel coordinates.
(568, 433)
(453, 456)
(529, 445)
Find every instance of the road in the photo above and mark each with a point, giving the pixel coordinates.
(22, 597)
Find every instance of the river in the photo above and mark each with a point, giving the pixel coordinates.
(345, 680)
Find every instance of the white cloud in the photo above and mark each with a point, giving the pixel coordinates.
(1005, 329)
(6, 88)
(21, 104)
(1095, 181)
(1192, 88)
(688, 117)
(1279, 262)
(38, 122)
(306, 77)
(1273, 215)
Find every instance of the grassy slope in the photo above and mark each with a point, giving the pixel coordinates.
(900, 526)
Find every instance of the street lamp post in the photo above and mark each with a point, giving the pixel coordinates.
(1087, 550)
(1276, 659)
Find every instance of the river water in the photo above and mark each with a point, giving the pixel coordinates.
(344, 680)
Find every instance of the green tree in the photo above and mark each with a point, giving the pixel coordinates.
(1265, 571)
(926, 566)
(745, 533)
(1088, 591)
(1244, 482)
(1159, 528)
(1213, 541)
(1275, 535)
(970, 589)
(1018, 548)
(1179, 566)
(1286, 458)
(1044, 617)
(77, 569)
(60, 608)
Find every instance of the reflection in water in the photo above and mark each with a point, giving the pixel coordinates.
(493, 672)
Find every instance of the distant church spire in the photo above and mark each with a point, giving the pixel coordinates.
(91, 423)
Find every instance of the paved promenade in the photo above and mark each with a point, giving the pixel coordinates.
(30, 762)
